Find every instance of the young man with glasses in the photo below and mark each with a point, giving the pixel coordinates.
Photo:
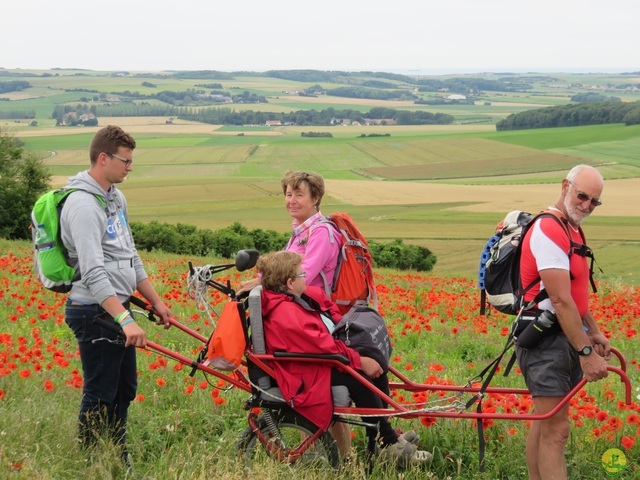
(556, 364)
(95, 231)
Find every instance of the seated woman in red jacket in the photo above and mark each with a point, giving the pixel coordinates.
(292, 322)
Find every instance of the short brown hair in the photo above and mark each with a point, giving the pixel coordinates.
(276, 268)
(108, 140)
(314, 182)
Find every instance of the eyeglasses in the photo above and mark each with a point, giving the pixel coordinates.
(583, 197)
(300, 275)
(127, 163)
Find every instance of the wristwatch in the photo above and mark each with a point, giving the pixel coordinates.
(586, 351)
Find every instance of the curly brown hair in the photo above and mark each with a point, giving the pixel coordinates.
(276, 268)
(108, 140)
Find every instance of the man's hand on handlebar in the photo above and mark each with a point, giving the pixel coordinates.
(135, 335)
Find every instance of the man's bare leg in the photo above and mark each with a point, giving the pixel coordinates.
(546, 441)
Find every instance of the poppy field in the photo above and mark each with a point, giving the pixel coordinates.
(183, 426)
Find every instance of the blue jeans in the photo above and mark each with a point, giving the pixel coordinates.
(109, 372)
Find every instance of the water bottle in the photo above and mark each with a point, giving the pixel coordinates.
(544, 325)
(43, 240)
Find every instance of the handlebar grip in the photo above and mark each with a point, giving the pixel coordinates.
(138, 302)
(109, 324)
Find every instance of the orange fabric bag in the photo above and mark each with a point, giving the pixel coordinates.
(228, 343)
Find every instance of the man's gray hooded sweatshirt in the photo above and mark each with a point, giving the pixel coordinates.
(99, 242)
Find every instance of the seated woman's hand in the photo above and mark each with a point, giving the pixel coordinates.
(248, 285)
(370, 367)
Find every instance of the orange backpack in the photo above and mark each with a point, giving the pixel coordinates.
(353, 279)
(228, 341)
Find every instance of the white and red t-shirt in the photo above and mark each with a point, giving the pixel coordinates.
(546, 246)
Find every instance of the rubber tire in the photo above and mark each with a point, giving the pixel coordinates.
(291, 425)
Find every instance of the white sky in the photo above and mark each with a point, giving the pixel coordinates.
(352, 35)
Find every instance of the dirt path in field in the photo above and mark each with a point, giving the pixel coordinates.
(483, 198)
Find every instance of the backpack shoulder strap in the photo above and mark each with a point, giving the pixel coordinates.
(330, 229)
(562, 221)
(325, 221)
(69, 191)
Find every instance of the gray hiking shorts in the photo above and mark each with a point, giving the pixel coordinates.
(551, 368)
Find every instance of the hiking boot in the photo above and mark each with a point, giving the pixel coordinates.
(410, 436)
(398, 453)
(421, 457)
(404, 454)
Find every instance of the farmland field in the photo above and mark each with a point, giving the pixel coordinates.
(440, 186)
(456, 182)
(444, 187)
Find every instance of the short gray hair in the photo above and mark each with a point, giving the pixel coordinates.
(575, 171)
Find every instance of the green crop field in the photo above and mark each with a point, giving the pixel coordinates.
(443, 187)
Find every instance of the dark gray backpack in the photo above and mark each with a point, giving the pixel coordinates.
(364, 330)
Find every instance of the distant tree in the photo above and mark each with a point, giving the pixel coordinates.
(593, 97)
(23, 178)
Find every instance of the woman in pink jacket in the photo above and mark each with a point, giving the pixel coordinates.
(317, 241)
(293, 323)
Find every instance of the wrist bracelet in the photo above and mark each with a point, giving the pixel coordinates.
(120, 317)
(127, 322)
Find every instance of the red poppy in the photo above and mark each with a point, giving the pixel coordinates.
(628, 442)
(427, 421)
(161, 382)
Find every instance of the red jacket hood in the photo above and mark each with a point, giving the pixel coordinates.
(294, 326)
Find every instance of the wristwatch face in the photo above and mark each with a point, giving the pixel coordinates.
(585, 351)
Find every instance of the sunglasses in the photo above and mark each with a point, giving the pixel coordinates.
(300, 275)
(583, 197)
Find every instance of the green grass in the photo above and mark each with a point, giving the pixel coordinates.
(553, 138)
(438, 337)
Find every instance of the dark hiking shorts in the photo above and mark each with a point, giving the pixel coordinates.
(550, 369)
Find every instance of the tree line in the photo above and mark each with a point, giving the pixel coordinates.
(574, 115)
(225, 242)
(14, 86)
(228, 116)
(17, 114)
(324, 117)
(371, 93)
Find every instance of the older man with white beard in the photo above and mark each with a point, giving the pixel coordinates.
(557, 363)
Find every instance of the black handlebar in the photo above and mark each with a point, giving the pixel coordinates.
(108, 323)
